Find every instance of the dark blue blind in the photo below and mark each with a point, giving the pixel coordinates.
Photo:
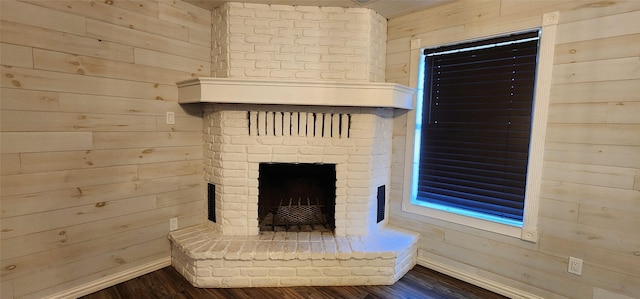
(476, 124)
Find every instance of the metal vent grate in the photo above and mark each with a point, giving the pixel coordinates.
(211, 202)
(305, 124)
(381, 202)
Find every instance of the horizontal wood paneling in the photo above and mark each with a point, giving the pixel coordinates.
(91, 173)
(42, 37)
(109, 13)
(590, 195)
(74, 64)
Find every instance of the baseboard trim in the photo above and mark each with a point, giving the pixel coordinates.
(482, 282)
(112, 280)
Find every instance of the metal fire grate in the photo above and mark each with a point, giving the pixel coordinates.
(299, 214)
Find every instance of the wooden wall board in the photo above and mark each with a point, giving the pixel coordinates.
(32, 262)
(37, 202)
(602, 91)
(192, 67)
(90, 66)
(415, 23)
(158, 170)
(183, 123)
(28, 100)
(606, 176)
(111, 140)
(36, 121)
(601, 215)
(599, 27)
(14, 77)
(67, 160)
(33, 15)
(612, 112)
(533, 277)
(27, 245)
(591, 195)
(627, 68)
(139, 39)
(84, 103)
(603, 258)
(593, 154)
(118, 16)
(82, 269)
(83, 235)
(559, 210)
(29, 142)
(56, 180)
(183, 13)
(106, 227)
(172, 198)
(198, 21)
(37, 37)
(148, 8)
(16, 55)
(597, 49)
(613, 134)
(57, 219)
(590, 236)
(9, 164)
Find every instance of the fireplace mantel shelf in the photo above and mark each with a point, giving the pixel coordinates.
(313, 93)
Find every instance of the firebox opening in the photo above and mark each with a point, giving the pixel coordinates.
(296, 196)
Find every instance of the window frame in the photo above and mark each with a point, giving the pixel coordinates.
(528, 230)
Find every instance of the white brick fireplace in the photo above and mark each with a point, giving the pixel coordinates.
(303, 117)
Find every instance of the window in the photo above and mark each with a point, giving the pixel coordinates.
(473, 127)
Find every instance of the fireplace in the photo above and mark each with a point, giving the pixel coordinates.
(296, 197)
(300, 171)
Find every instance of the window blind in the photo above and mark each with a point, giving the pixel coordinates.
(476, 124)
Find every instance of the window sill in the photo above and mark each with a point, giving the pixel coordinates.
(447, 214)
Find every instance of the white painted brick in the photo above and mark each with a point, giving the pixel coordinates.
(256, 73)
(308, 22)
(332, 75)
(308, 57)
(257, 56)
(337, 271)
(268, 263)
(294, 281)
(315, 32)
(291, 66)
(281, 23)
(329, 9)
(291, 15)
(267, 65)
(238, 264)
(325, 263)
(308, 9)
(225, 272)
(265, 31)
(283, 272)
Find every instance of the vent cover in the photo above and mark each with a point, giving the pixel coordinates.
(211, 202)
(381, 202)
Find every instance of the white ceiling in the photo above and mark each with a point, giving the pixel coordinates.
(388, 8)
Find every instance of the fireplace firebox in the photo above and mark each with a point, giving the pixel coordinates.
(296, 197)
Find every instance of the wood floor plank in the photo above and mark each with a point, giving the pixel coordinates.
(420, 282)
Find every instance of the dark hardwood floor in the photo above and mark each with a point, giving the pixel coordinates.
(420, 282)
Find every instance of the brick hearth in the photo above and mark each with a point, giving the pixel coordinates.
(210, 259)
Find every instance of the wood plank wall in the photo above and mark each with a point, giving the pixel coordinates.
(590, 198)
(91, 172)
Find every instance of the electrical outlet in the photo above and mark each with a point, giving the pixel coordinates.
(173, 223)
(171, 118)
(575, 266)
